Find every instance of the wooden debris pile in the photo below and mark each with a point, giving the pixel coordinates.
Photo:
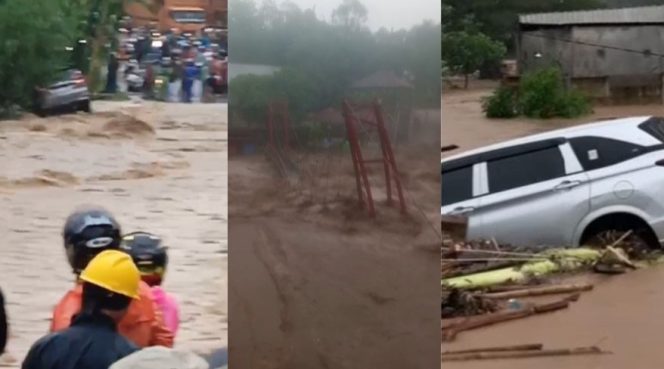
(484, 283)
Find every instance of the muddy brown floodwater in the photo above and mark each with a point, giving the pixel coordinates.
(314, 283)
(157, 167)
(623, 314)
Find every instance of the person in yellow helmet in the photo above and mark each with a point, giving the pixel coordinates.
(110, 282)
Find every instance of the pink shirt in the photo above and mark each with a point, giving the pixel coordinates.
(169, 308)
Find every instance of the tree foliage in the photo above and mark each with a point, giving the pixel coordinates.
(330, 55)
(33, 37)
(465, 52)
(498, 18)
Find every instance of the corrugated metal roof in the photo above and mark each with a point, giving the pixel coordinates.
(644, 14)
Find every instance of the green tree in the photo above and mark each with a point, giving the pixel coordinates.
(351, 14)
(498, 19)
(465, 53)
(34, 36)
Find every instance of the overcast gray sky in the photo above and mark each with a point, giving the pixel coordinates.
(383, 13)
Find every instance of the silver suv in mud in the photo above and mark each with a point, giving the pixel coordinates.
(70, 91)
(568, 187)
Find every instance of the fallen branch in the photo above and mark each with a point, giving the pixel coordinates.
(539, 291)
(621, 239)
(526, 347)
(593, 350)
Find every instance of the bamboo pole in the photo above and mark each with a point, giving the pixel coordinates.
(593, 350)
(450, 332)
(524, 347)
(539, 291)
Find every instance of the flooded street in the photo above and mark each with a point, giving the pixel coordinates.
(164, 171)
(464, 123)
(316, 283)
(622, 314)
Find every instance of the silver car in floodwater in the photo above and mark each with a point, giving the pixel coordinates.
(574, 186)
(70, 91)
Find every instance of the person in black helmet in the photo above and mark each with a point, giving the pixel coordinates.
(87, 232)
(151, 257)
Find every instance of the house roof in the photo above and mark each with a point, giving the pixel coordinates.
(382, 79)
(636, 15)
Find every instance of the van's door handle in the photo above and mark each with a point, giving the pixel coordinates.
(566, 185)
(462, 210)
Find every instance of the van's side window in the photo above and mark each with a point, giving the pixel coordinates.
(525, 169)
(457, 185)
(600, 152)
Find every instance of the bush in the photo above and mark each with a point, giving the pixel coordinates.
(501, 104)
(573, 104)
(541, 95)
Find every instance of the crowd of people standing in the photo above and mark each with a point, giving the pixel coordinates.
(174, 66)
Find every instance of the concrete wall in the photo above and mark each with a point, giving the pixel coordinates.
(590, 61)
(546, 43)
(585, 61)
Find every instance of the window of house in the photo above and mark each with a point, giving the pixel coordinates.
(456, 185)
(600, 152)
(525, 169)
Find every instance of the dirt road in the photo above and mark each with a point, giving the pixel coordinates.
(165, 172)
(316, 284)
(622, 314)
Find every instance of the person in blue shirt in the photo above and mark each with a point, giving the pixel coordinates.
(190, 75)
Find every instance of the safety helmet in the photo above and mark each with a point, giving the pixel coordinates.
(114, 271)
(86, 233)
(149, 254)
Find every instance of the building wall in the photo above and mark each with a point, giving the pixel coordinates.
(585, 61)
(544, 42)
(218, 13)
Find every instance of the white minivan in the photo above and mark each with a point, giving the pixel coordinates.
(567, 187)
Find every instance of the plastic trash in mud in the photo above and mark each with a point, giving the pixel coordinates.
(460, 303)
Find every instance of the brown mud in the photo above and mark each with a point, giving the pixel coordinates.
(315, 283)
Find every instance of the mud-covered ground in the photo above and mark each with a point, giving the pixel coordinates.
(622, 314)
(314, 283)
(157, 167)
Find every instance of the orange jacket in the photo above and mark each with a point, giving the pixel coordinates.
(143, 324)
